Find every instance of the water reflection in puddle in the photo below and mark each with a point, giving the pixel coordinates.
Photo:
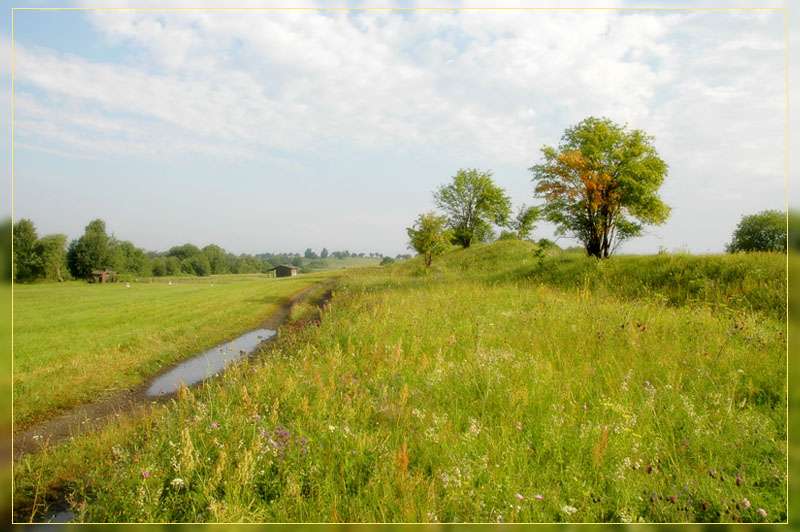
(208, 363)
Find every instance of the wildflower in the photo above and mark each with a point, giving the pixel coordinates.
(647, 383)
(569, 510)
(684, 362)
(762, 512)
(145, 474)
(519, 496)
(739, 481)
(331, 428)
(538, 497)
(585, 407)
(213, 425)
(519, 425)
(178, 482)
(745, 504)
(499, 518)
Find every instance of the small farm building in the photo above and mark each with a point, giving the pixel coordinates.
(104, 276)
(285, 270)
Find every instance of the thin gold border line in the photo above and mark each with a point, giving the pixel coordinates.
(785, 9)
(786, 324)
(11, 421)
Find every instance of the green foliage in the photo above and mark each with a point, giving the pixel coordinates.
(472, 202)
(128, 259)
(324, 253)
(183, 252)
(386, 260)
(601, 184)
(765, 231)
(6, 232)
(428, 236)
(525, 221)
(197, 265)
(26, 263)
(90, 252)
(508, 235)
(794, 231)
(158, 266)
(172, 266)
(309, 254)
(50, 251)
(217, 259)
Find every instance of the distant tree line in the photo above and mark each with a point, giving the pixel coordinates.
(51, 258)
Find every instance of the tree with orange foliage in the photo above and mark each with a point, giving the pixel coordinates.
(601, 184)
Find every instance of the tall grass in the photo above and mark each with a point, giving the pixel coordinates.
(753, 282)
(461, 396)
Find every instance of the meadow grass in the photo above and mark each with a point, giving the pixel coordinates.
(455, 396)
(76, 341)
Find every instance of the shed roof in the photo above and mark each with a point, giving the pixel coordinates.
(283, 266)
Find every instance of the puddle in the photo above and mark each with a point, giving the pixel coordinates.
(64, 516)
(208, 363)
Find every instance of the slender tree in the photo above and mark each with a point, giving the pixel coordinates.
(472, 203)
(429, 236)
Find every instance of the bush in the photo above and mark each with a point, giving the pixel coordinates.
(765, 231)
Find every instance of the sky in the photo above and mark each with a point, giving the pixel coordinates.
(279, 130)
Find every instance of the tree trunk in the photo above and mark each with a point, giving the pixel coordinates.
(58, 274)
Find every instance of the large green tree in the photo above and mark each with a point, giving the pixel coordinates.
(26, 263)
(429, 236)
(217, 259)
(600, 185)
(472, 203)
(765, 231)
(50, 251)
(90, 252)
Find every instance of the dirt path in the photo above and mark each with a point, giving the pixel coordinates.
(95, 415)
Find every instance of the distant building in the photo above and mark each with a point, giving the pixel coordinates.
(104, 276)
(284, 270)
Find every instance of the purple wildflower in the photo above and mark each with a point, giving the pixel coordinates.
(213, 425)
(519, 496)
(538, 497)
(145, 474)
(762, 512)
(647, 383)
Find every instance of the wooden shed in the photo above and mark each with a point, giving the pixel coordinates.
(284, 270)
(104, 276)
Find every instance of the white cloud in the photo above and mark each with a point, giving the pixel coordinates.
(484, 86)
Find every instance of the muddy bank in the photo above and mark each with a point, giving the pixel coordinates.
(92, 416)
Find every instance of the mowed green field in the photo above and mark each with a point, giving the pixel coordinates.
(473, 392)
(349, 262)
(76, 341)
